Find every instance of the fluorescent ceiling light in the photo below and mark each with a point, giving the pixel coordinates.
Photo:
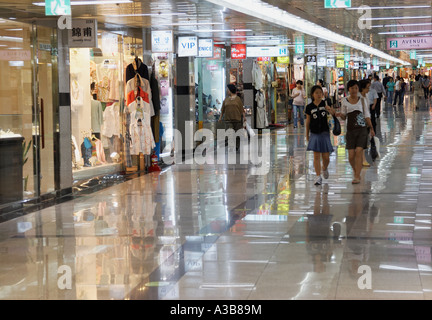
(395, 18)
(274, 15)
(403, 25)
(6, 38)
(213, 30)
(390, 7)
(185, 24)
(89, 2)
(146, 14)
(405, 32)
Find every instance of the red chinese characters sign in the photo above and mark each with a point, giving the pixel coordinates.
(238, 51)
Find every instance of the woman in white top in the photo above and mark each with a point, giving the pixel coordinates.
(299, 95)
(355, 108)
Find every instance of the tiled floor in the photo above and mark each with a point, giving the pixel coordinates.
(224, 232)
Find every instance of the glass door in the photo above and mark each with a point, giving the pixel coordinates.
(45, 111)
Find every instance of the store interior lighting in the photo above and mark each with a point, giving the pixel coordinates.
(275, 15)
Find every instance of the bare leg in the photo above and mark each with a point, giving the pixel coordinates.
(317, 163)
(326, 160)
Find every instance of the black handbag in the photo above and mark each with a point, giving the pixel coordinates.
(337, 126)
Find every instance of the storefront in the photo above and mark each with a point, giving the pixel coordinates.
(210, 88)
(121, 107)
(28, 112)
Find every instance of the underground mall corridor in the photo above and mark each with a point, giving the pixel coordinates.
(222, 232)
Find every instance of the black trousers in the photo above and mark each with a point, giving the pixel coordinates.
(378, 105)
(373, 116)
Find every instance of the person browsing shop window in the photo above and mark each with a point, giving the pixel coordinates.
(318, 132)
(299, 95)
(232, 111)
(355, 108)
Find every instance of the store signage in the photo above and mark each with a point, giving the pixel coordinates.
(387, 65)
(238, 51)
(187, 47)
(331, 4)
(409, 43)
(298, 60)
(162, 41)
(15, 55)
(340, 64)
(322, 62)
(375, 61)
(83, 33)
(331, 63)
(57, 8)
(278, 51)
(311, 60)
(413, 54)
(285, 60)
(347, 56)
(205, 48)
(299, 45)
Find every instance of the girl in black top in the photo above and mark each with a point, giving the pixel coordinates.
(318, 132)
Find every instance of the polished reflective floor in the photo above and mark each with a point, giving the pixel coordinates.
(226, 232)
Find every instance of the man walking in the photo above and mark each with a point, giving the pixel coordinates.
(380, 89)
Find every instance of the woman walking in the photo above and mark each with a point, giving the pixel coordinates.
(355, 108)
(318, 132)
(299, 95)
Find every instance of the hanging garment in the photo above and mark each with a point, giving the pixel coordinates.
(142, 140)
(76, 151)
(261, 117)
(100, 154)
(257, 77)
(137, 67)
(96, 116)
(139, 87)
(103, 84)
(114, 93)
(77, 95)
(111, 120)
(127, 142)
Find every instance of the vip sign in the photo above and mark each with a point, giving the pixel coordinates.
(187, 47)
(205, 48)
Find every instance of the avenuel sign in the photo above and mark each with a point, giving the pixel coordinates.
(409, 43)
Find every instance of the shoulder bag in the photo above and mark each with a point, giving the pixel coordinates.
(333, 123)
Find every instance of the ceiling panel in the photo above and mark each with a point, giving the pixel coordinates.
(186, 17)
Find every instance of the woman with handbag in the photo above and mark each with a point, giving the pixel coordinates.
(355, 109)
(318, 132)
